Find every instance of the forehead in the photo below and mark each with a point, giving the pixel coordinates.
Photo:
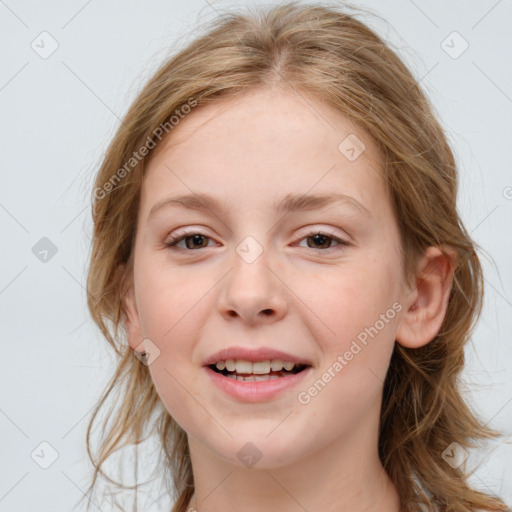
(262, 146)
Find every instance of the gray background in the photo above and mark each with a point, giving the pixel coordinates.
(58, 114)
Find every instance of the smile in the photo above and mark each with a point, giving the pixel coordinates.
(247, 371)
(255, 381)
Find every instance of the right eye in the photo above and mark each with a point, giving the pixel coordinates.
(196, 241)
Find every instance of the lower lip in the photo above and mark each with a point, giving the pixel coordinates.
(256, 391)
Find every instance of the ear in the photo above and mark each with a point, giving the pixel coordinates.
(425, 306)
(130, 318)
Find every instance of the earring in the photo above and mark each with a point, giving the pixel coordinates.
(141, 356)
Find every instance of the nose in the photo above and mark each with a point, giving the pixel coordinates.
(253, 293)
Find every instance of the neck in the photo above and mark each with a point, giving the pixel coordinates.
(272, 490)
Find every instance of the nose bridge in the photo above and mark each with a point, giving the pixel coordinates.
(252, 290)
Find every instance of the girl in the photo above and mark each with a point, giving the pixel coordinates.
(275, 231)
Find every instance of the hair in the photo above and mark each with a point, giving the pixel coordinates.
(322, 51)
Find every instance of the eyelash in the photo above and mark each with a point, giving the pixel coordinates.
(172, 243)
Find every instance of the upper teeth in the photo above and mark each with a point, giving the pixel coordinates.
(259, 367)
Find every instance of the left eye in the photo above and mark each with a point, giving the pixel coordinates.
(322, 239)
(197, 240)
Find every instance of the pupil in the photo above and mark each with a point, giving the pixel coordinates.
(321, 237)
(196, 240)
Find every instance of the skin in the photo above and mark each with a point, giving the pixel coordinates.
(318, 296)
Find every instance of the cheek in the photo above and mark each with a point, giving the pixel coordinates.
(353, 369)
(170, 296)
(359, 313)
(173, 305)
(346, 299)
(172, 331)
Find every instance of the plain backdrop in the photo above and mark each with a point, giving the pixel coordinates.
(58, 113)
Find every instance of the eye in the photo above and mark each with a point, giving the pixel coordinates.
(196, 240)
(322, 239)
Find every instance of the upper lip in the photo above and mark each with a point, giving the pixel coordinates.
(253, 355)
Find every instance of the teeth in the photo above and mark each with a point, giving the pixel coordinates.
(277, 365)
(257, 368)
(243, 367)
(253, 378)
(261, 367)
(263, 377)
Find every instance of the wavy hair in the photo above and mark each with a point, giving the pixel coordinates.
(324, 51)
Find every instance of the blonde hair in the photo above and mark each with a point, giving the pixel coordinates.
(323, 51)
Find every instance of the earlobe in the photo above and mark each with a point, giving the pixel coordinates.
(426, 305)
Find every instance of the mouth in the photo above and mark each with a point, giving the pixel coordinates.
(248, 371)
(259, 378)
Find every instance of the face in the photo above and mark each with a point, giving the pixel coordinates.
(321, 281)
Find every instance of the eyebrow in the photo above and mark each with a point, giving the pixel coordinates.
(289, 203)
